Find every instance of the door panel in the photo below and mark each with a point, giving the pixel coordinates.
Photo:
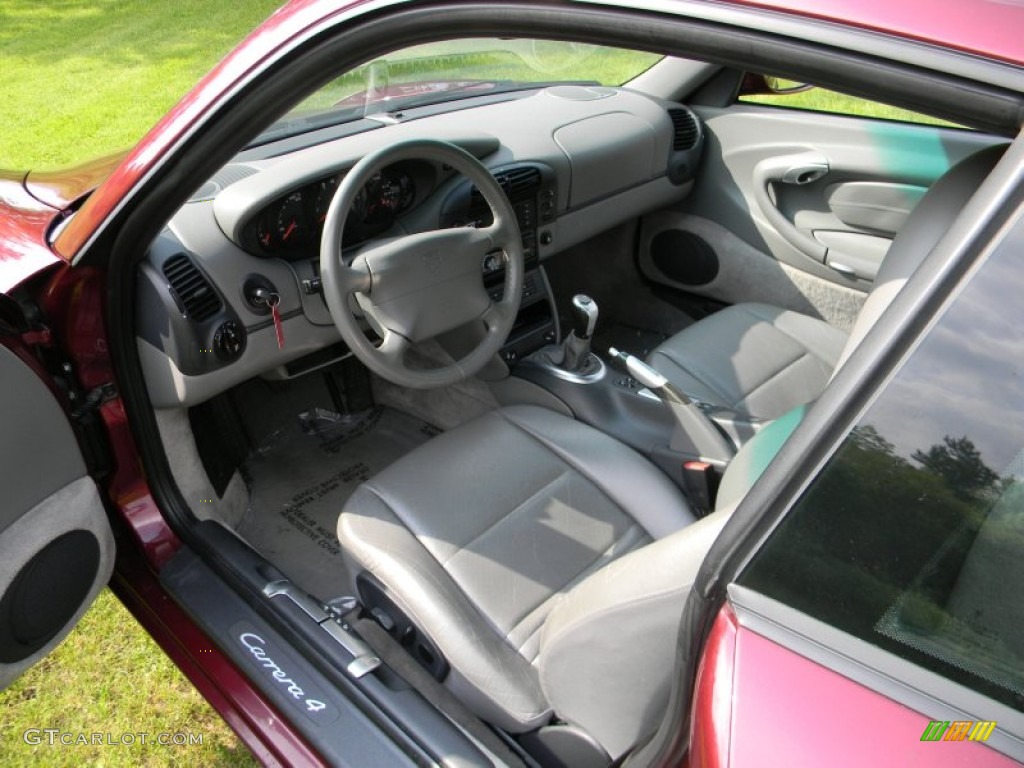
(56, 546)
(817, 197)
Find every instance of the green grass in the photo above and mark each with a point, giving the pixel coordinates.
(823, 100)
(109, 676)
(87, 77)
(82, 79)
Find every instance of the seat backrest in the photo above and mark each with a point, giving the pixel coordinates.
(922, 231)
(607, 649)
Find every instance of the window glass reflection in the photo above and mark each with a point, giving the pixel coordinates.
(912, 538)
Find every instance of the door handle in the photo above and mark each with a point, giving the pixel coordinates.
(800, 168)
(843, 269)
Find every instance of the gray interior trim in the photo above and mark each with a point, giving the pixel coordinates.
(886, 673)
(744, 137)
(591, 197)
(76, 506)
(673, 78)
(38, 451)
(746, 273)
(193, 482)
(168, 387)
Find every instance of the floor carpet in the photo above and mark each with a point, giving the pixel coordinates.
(300, 478)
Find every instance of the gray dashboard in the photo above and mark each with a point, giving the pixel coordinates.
(575, 160)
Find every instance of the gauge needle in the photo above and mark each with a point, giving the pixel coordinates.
(288, 232)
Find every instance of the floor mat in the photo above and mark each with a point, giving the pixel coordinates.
(300, 477)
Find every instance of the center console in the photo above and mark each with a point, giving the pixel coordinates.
(691, 441)
(532, 190)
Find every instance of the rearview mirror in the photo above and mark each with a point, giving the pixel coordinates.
(754, 85)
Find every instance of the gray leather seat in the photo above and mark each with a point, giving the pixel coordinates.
(762, 361)
(479, 534)
(550, 563)
(755, 359)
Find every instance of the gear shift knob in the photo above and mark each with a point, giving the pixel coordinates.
(584, 315)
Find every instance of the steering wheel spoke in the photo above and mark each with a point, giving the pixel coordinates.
(497, 315)
(393, 347)
(356, 277)
(501, 232)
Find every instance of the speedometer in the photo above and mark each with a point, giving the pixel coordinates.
(292, 226)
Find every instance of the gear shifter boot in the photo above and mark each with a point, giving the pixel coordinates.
(573, 355)
(576, 351)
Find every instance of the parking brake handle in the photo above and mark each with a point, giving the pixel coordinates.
(650, 378)
(695, 433)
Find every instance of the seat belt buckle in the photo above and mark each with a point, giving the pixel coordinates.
(700, 481)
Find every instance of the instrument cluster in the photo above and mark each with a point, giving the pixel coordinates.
(291, 226)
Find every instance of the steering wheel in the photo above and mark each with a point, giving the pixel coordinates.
(415, 287)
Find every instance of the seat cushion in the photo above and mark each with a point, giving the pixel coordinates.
(756, 359)
(479, 532)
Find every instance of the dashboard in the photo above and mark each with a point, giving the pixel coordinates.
(573, 160)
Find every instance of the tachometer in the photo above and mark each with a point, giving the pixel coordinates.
(324, 195)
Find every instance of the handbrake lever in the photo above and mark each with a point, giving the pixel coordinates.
(696, 433)
(650, 378)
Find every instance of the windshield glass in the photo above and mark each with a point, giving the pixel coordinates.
(456, 69)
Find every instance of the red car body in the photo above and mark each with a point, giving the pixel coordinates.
(752, 703)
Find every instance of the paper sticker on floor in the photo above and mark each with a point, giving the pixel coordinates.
(299, 481)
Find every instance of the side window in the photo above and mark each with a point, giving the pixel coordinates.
(774, 91)
(912, 537)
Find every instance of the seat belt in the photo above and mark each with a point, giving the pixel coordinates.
(400, 662)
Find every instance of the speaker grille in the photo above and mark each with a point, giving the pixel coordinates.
(684, 257)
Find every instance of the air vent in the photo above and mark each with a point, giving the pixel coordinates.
(684, 129)
(515, 181)
(195, 296)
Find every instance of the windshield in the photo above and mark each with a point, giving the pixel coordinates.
(456, 69)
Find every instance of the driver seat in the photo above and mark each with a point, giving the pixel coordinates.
(549, 563)
(520, 543)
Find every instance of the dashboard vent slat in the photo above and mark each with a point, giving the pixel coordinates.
(193, 292)
(515, 182)
(684, 129)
